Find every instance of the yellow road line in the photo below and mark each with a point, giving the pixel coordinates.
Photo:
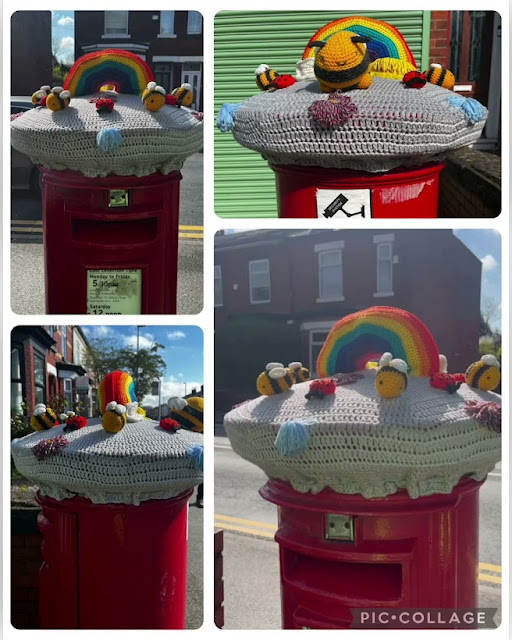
(490, 567)
(184, 226)
(483, 577)
(191, 235)
(39, 222)
(263, 525)
(26, 229)
(254, 532)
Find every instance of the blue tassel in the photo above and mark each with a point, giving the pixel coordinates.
(109, 139)
(226, 116)
(292, 438)
(471, 108)
(195, 453)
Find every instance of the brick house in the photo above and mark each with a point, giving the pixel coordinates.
(31, 51)
(171, 42)
(311, 279)
(45, 363)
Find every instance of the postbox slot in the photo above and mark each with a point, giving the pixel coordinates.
(350, 581)
(114, 233)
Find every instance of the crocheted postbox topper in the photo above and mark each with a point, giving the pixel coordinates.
(366, 335)
(118, 387)
(125, 71)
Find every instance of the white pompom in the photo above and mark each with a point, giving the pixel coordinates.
(111, 406)
(57, 89)
(41, 404)
(160, 89)
(443, 364)
(385, 359)
(40, 410)
(46, 87)
(187, 86)
(399, 365)
(151, 86)
(435, 65)
(274, 365)
(120, 409)
(63, 417)
(490, 360)
(177, 403)
(305, 69)
(261, 69)
(277, 372)
(65, 94)
(295, 365)
(40, 94)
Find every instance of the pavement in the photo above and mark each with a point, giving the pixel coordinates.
(27, 256)
(251, 557)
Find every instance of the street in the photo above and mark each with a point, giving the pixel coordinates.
(251, 558)
(27, 258)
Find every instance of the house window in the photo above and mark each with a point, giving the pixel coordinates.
(195, 22)
(167, 23)
(39, 379)
(217, 286)
(316, 342)
(78, 353)
(330, 271)
(259, 281)
(16, 379)
(116, 22)
(163, 74)
(384, 265)
(64, 342)
(68, 392)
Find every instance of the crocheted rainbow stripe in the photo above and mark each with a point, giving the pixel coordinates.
(366, 335)
(117, 386)
(126, 71)
(386, 40)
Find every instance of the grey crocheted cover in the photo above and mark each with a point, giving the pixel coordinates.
(422, 441)
(141, 462)
(159, 141)
(395, 126)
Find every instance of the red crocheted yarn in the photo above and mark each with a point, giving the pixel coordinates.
(447, 381)
(414, 80)
(169, 425)
(172, 100)
(75, 422)
(337, 109)
(104, 105)
(321, 388)
(43, 101)
(283, 81)
(487, 413)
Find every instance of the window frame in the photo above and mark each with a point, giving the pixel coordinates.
(21, 380)
(252, 262)
(118, 34)
(217, 275)
(37, 385)
(194, 33)
(323, 249)
(69, 391)
(167, 35)
(384, 241)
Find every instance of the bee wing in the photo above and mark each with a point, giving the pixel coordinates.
(120, 409)
(490, 360)
(273, 365)
(151, 86)
(443, 364)
(385, 359)
(160, 89)
(65, 94)
(261, 69)
(177, 403)
(399, 364)
(111, 406)
(295, 365)
(277, 372)
(39, 410)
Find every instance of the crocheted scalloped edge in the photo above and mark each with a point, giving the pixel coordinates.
(133, 170)
(415, 488)
(133, 497)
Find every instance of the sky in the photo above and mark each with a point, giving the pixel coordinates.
(183, 353)
(486, 245)
(63, 36)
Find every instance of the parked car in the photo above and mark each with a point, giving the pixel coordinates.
(24, 173)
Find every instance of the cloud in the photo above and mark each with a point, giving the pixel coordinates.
(180, 375)
(489, 262)
(146, 341)
(170, 389)
(176, 335)
(65, 50)
(65, 21)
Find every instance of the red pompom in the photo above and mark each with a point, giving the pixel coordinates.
(172, 100)
(321, 388)
(105, 105)
(414, 80)
(283, 81)
(169, 425)
(74, 423)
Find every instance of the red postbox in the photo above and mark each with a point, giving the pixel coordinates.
(108, 566)
(341, 552)
(316, 192)
(111, 244)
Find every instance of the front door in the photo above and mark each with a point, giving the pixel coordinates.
(194, 79)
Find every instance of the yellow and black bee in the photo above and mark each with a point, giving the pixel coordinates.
(58, 99)
(275, 379)
(391, 380)
(114, 418)
(153, 96)
(299, 373)
(40, 94)
(440, 76)
(43, 418)
(188, 412)
(484, 374)
(342, 62)
(265, 77)
(184, 95)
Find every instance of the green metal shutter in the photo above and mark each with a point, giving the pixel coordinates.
(244, 184)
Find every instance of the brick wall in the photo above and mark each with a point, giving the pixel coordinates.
(218, 579)
(440, 38)
(25, 563)
(30, 390)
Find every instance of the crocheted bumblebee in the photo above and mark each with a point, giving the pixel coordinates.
(299, 373)
(188, 413)
(484, 374)
(114, 418)
(39, 96)
(43, 418)
(269, 80)
(58, 99)
(391, 380)
(441, 76)
(184, 95)
(275, 379)
(153, 96)
(342, 62)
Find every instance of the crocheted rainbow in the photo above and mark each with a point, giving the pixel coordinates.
(126, 71)
(117, 386)
(386, 40)
(366, 335)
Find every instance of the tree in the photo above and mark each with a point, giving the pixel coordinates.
(490, 311)
(104, 356)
